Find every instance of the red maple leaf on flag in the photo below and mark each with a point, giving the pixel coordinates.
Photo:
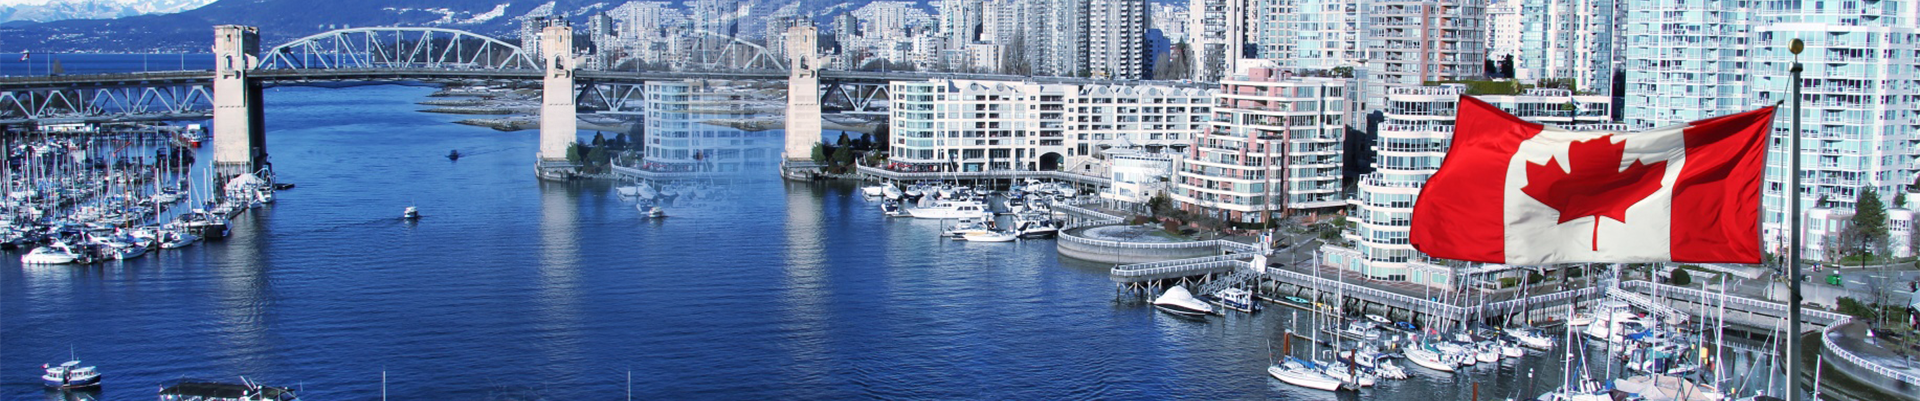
(1593, 184)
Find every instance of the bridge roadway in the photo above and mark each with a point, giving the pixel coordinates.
(297, 76)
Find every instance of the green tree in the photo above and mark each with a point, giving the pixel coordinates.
(1681, 277)
(1900, 199)
(843, 141)
(866, 141)
(820, 153)
(620, 141)
(882, 136)
(599, 139)
(597, 159)
(1159, 203)
(843, 156)
(573, 153)
(1870, 216)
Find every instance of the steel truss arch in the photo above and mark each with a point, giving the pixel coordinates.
(398, 47)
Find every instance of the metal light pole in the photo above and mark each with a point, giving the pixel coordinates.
(1793, 234)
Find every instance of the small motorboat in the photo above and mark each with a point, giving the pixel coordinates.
(70, 375)
(1408, 326)
(1179, 301)
(454, 155)
(991, 236)
(652, 212)
(1511, 350)
(412, 213)
(965, 227)
(1487, 353)
(1237, 299)
(1303, 302)
(1378, 319)
(1531, 338)
(873, 191)
(176, 239)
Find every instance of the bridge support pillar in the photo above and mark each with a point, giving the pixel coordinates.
(239, 137)
(559, 127)
(803, 95)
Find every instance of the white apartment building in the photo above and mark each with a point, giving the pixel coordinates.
(1217, 33)
(676, 140)
(1273, 148)
(1411, 42)
(1570, 39)
(1860, 124)
(1325, 34)
(1411, 143)
(1152, 119)
(959, 125)
(1503, 29)
(1686, 60)
(962, 125)
(1171, 20)
(1116, 38)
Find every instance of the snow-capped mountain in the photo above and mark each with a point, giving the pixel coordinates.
(57, 10)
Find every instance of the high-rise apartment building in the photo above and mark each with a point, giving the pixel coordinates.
(1686, 60)
(1570, 40)
(1214, 35)
(1411, 143)
(1503, 29)
(1116, 39)
(1860, 124)
(677, 139)
(1273, 148)
(1411, 42)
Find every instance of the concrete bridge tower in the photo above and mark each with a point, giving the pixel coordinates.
(803, 93)
(558, 127)
(239, 138)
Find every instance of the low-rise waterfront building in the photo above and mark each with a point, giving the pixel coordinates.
(1137, 176)
(1273, 148)
(966, 126)
(1410, 144)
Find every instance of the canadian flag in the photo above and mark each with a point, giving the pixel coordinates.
(1521, 193)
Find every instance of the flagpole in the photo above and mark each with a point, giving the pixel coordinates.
(1793, 233)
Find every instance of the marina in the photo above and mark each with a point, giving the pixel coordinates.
(491, 284)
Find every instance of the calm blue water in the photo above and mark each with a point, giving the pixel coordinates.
(40, 64)
(515, 289)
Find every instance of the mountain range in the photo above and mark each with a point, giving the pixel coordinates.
(44, 11)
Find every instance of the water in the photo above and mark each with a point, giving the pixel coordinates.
(39, 64)
(511, 288)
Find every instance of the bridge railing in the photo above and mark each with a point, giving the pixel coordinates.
(1826, 340)
(1181, 267)
(1732, 301)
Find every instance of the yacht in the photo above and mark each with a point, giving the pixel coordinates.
(52, 254)
(176, 239)
(1036, 229)
(1512, 350)
(1294, 372)
(70, 375)
(1180, 302)
(1486, 353)
(1352, 376)
(873, 191)
(950, 210)
(891, 192)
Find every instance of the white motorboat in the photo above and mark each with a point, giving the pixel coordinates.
(991, 236)
(1428, 358)
(176, 239)
(1296, 373)
(1177, 300)
(628, 191)
(966, 227)
(1487, 353)
(891, 192)
(892, 209)
(1378, 319)
(1532, 338)
(652, 212)
(411, 213)
(950, 210)
(873, 191)
(54, 254)
(1237, 299)
(1037, 229)
(70, 375)
(1386, 369)
(1511, 350)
